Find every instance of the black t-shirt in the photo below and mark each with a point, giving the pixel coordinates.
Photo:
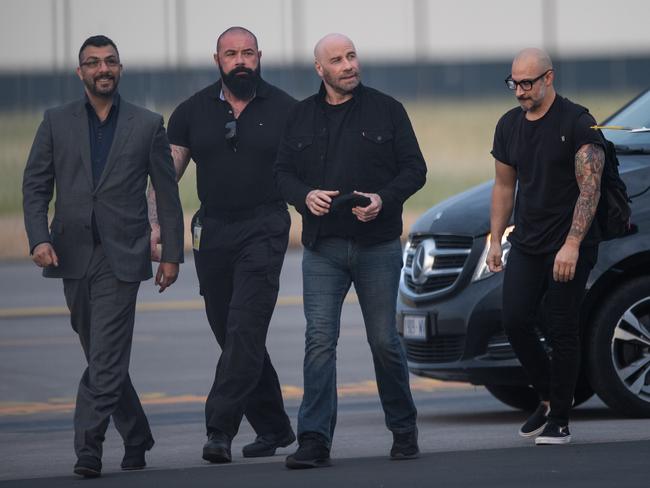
(544, 158)
(337, 174)
(227, 179)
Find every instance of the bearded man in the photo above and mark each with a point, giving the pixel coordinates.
(232, 129)
(99, 152)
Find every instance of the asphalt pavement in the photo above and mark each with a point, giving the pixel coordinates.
(467, 437)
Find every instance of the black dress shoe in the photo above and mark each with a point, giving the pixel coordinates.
(88, 467)
(266, 444)
(217, 449)
(133, 458)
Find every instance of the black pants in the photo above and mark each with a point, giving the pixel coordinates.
(527, 284)
(102, 312)
(238, 268)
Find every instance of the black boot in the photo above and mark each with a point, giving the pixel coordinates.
(405, 445)
(217, 449)
(265, 445)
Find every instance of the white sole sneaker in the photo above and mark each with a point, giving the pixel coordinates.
(540, 441)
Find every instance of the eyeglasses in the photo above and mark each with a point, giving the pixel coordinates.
(231, 134)
(525, 85)
(93, 63)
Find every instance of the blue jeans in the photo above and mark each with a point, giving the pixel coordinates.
(328, 270)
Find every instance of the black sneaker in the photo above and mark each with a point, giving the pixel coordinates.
(265, 445)
(536, 422)
(405, 445)
(217, 449)
(88, 467)
(312, 453)
(554, 434)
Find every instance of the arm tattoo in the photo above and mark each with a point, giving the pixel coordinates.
(590, 160)
(181, 158)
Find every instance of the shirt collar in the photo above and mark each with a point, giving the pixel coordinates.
(322, 92)
(114, 108)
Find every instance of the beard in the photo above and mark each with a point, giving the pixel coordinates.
(92, 84)
(242, 86)
(530, 103)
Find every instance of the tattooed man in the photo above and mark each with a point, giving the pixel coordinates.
(555, 166)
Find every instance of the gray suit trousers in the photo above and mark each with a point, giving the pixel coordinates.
(102, 310)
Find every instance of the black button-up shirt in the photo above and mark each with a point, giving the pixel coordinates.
(226, 179)
(101, 140)
(101, 136)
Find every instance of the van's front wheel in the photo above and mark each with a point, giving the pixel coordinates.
(619, 349)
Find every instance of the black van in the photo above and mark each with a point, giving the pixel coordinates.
(449, 305)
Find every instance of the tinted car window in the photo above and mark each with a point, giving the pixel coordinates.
(635, 115)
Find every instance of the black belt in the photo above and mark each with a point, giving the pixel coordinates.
(242, 214)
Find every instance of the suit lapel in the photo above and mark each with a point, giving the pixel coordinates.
(80, 130)
(122, 133)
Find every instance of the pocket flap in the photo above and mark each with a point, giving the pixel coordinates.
(298, 143)
(378, 136)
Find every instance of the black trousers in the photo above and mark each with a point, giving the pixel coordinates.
(102, 312)
(528, 284)
(238, 267)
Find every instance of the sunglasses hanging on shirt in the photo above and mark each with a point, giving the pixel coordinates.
(231, 134)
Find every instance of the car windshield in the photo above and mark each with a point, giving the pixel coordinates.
(636, 115)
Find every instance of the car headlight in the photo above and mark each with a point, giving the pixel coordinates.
(482, 271)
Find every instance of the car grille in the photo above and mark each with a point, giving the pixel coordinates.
(439, 349)
(449, 254)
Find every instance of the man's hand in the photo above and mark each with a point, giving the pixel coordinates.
(370, 212)
(493, 260)
(564, 267)
(166, 275)
(155, 242)
(45, 256)
(318, 201)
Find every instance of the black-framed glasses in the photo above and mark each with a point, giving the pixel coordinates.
(525, 85)
(231, 134)
(93, 63)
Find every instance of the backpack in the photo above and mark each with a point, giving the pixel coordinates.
(613, 212)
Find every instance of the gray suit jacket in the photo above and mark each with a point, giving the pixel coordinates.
(60, 157)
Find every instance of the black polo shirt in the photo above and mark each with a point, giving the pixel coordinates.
(227, 179)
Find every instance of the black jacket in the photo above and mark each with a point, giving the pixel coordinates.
(382, 153)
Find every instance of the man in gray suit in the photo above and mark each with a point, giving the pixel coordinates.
(99, 153)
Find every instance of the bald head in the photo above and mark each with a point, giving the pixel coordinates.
(533, 58)
(532, 73)
(330, 43)
(337, 64)
(236, 30)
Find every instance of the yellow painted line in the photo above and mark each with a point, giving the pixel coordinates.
(289, 392)
(62, 341)
(16, 312)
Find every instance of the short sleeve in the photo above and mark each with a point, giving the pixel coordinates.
(499, 144)
(178, 127)
(583, 132)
